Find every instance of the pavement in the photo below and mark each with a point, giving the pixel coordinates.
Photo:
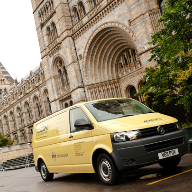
(148, 179)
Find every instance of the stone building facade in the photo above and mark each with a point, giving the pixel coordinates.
(90, 49)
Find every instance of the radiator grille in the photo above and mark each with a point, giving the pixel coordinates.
(164, 144)
(152, 131)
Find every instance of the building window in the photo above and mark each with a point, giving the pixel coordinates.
(94, 2)
(47, 102)
(66, 75)
(133, 92)
(62, 72)
(37, 107)
(128, 60)
(66, 105)
(62, 78)
(82, 9)
(52, 32)
(76, 15)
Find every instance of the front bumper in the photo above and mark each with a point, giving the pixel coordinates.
(138, 153)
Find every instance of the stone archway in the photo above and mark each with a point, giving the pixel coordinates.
(131, 91)
(110, 55)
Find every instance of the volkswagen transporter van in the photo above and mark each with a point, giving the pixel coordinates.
(106, 137)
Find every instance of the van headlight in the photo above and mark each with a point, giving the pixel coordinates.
(126, 136)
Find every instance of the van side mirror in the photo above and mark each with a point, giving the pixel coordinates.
(82, 123)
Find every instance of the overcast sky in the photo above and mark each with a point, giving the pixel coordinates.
(19, 47)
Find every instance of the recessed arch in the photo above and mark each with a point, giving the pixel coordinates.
(102, 52)
(60, 71)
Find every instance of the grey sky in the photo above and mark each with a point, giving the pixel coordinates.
(19, 48)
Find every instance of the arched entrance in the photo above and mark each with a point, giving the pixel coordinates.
(130, 92)
(109, 56)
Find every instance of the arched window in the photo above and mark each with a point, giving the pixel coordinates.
(133, 92)
(71, 103)
(5, 91)
(76, 14)
(27, 112)
(62, 73)
(13, 126)
(128, 60)
(94, 2)
(66, 105)
(134, 54)
(6, 125)
(47, 103)
(162, 5)
(62, 78)
(130, 92)
(82, 9)
(49, 34)
(66, 75)
(52, 32)
(130, 57)
(20, 116)
(37, 107)
(125, 60)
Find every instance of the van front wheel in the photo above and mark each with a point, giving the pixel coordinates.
(107, 170)
(46, 176)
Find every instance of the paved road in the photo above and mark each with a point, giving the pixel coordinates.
(151, 178)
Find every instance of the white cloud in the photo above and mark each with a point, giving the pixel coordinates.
(19, 48)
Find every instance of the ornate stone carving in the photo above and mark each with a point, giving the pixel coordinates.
(79, 30)
(155, 15)
(46, 12)
(54, 47)
(103, 90)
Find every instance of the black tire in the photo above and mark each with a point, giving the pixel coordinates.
(46, 176)
(170, 163)
(107, 170)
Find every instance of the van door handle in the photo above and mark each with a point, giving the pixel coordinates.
(71, 136)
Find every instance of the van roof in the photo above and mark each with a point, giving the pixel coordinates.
(61, 111)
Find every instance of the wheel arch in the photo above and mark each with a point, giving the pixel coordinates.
(39, 159)
(96, 154)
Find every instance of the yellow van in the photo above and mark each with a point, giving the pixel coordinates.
(107, 137)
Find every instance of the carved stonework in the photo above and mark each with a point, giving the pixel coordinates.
(55, 50)
(155, 15)
(79, 30)
(46, 12)
(104, 90)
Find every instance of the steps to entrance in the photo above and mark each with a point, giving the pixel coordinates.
(19, 162)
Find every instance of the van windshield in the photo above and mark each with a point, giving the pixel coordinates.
(116, 108)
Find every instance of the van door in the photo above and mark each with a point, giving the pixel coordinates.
(81, 144)
(56, 151)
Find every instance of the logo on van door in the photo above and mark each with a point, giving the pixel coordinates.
(161, 130)
(42, 129)
(54, 156)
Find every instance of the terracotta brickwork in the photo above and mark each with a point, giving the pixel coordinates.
(90, 50)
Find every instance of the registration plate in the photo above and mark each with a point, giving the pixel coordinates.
(169, 153)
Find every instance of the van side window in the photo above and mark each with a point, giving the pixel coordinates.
(76, 114)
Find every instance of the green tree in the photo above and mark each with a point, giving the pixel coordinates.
(4, 141)
(170, 81)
